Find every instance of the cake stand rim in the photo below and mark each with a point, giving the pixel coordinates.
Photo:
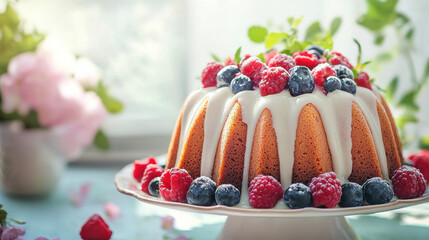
(124, 176)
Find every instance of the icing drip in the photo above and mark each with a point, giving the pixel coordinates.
(335, 111)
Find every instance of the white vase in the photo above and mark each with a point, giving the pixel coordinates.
(31, 161)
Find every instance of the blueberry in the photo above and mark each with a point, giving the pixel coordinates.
(332, 83)
(154, 187)
(226, 74)
(300, 81)
(316, 50)
(228, 195)
(201, 191)
(297, 195)
(352, 195)
(241, 83)
(343, 71)
(377, 191)
(348, 85)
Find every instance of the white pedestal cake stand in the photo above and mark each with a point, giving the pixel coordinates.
(251, 223)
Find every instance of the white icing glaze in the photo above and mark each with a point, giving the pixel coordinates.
(335, 110)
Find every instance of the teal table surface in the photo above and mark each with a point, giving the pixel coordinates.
(57, 216)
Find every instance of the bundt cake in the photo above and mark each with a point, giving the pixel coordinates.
(234, 136)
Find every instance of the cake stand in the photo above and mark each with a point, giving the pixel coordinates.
(251, 223)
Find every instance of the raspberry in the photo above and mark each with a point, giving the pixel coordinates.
(363, 80)
(282, 60)
(208, 76)
(264, 192)
(246, 56)
(95, 228)
(305, 58)
(174, 184)
(152, 171)
(270, 55)
(408, 182)
(326, 190)
(273, 81)
(230, 61)
(322, 60)
(253, 67)
(322, 72)
(338, 58)
(420, 161)
(140, 166)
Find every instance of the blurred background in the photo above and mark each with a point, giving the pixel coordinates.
(151, 52)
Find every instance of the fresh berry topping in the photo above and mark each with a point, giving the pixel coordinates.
(282, 60)
(323, 60)
(95, 228)
(201, 192)
(300, 81)
(140, 166)
(230, 61)
(343, 71)
(305, 59)
(174, 184)
(264, 192)
(326, 190)
(208, 76)
(269, 55)
(408, 182)
(321, 72)
(420, 160)
(331, 84)
(297, 195)
(253, 67)
(241, 83)
(154, 187)
(348, 85)
(352, 195)
(273, 81)
(225, 75)
(152, 171)
(316, 50)
(338, 58)
(228, 195)
(363, 80)
(377, 191)
(245, 57)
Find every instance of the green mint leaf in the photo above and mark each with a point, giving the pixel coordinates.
(409, 35)
(297, 21)
(261, 56)
(215, 58)
(359, 51)
(257, 34)
(274, 38)
(335, 25)
(408, 101)
(380, 13)
(101, 141)
(313, 31)
(355, 73)
(424, 142)
(290, 20)
(237, 58)
(391, 89)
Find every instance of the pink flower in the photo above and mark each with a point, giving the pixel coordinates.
(48, 81)
(167, 222)
(112, 210)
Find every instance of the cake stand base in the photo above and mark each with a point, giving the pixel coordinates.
(286, 228)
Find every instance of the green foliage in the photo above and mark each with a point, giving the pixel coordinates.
(5, 220)
(424, 142)
(314, 34)
(381, 15)
(112, 105)
(13, 39)
(101, 141)
(215, 58)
